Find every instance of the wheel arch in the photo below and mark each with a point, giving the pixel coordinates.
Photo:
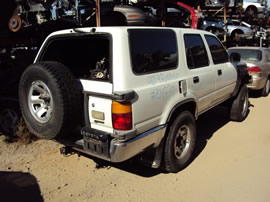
(189, 105)
(237, 31)
(254, 8)
(234, 33)
(182, 109)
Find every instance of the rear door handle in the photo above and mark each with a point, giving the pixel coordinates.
(196, 79)
(219, 72)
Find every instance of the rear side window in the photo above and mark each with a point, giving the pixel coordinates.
(218, 52)
(152, 50)
(195, 51)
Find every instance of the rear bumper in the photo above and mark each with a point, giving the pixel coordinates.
(119, 150)
(257, 83)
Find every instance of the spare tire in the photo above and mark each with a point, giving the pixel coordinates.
(50, 99)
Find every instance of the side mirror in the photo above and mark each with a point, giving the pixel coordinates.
(235, 57)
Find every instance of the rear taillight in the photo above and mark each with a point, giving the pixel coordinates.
(121, 116)
(254, 69)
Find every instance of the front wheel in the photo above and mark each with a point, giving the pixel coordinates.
(180, 143)
(238, 109)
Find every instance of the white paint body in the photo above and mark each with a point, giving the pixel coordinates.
(157, 93)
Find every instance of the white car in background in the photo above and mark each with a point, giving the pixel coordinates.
(237, 30)
(253, 7)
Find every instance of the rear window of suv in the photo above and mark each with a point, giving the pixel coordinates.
(87, 56)
(152, 50)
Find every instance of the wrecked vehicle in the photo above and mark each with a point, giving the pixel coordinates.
(116, 92)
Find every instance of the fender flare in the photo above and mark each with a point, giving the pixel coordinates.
(182, 103)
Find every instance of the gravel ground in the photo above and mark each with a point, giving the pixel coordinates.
(232, 163)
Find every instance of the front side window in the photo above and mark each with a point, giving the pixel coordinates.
(218, 52)
(152, 50)
(195, 51)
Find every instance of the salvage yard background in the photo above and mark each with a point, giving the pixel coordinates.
(232, 163)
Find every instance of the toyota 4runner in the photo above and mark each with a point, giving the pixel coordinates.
(115, 92)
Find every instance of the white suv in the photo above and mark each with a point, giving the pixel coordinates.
(130, 89)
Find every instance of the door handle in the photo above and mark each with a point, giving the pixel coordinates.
(219, 72)
(196, 79)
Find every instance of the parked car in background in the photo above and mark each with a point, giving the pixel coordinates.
(213, 26)
(252, 7)
(234, 28)
(238, 29)
(32, 14)
(258, 62)
(220, 3)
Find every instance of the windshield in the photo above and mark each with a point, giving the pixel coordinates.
(251, 55)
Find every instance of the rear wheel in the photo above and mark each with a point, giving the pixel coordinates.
(238, 108)
(180, 143)
(236, 35)
(49, 97)
(251, 11)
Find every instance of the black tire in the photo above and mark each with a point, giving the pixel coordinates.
(50, 99)
(181, 133)
(236, 35)
(238, 108)
(251, 11)
(265, 91)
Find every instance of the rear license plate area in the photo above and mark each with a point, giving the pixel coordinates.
(96, 143)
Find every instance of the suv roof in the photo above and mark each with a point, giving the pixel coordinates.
(120, 29)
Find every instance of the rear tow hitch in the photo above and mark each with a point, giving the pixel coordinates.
(66, 151)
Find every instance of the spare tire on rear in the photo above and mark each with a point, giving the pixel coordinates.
(50, 99)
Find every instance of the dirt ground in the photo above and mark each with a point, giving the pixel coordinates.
(232, 163)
